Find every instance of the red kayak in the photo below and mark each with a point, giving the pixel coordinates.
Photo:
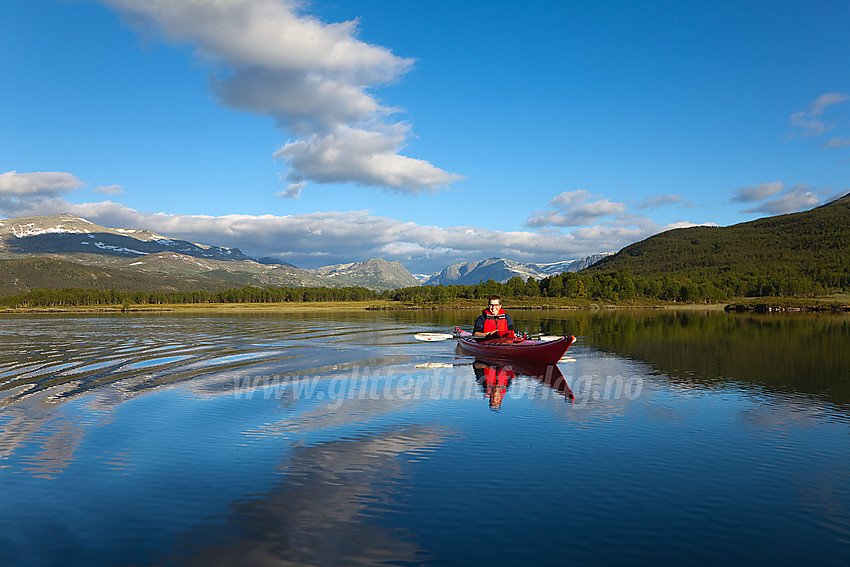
(515, 348)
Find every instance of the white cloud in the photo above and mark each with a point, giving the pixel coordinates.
(572, 208)
(758, 192)
(322, 238)
(776, 199)
(41, 183)
(362, 156)
(313, 78)
(269, 34)
(808, 122)
(302, 102)
(797, 198)
(292, 191)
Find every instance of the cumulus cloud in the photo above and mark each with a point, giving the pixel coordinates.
(797, 198)
(775, 198)
(313, 78)
(37, 184)
(575, 208)
(809, 122)
(758, 192)
(323, 238)
(298, 101)
(366, 157)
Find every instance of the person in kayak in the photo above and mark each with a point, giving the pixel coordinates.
(493, 321)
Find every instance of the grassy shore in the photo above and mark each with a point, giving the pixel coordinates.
(834, 302)
(315, 306)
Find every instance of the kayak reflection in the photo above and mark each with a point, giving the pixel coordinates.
(496, 376)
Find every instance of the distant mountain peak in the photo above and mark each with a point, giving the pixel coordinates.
(71, 224)
(374, 270)
(68, 238)
(501, 270)
(61, 234)
(54, 224)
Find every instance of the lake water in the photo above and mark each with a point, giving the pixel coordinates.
(304, 439)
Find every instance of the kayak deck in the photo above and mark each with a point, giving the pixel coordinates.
(516, 348)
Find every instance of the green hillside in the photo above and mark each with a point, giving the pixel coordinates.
(794, 254)
(801, 255)
(25, 274)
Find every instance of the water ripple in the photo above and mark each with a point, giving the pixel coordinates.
(74, 355)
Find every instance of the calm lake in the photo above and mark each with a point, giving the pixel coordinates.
(309, 439)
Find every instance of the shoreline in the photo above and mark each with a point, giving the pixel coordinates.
(824, 305)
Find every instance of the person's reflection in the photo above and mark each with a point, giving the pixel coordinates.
(495, 379)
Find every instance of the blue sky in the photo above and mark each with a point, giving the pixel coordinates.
(430, 132)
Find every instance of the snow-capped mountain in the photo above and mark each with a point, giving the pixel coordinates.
(70, 234)
(501, 270)
(70, 238)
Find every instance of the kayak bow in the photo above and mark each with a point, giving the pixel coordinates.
(515, 348)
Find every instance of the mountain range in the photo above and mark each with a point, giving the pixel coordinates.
(501, 270)
(804, 251)
(68, 251)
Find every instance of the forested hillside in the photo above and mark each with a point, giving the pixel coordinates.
(796, 254)
(800, 254)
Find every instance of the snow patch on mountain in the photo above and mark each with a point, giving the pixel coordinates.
(501, 270)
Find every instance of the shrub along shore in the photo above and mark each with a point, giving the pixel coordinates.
(420, 297)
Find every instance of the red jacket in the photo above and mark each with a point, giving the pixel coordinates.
(495, 322)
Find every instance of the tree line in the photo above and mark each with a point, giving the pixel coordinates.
(621, 286)
(72, 297)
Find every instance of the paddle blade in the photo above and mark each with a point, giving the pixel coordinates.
(431, 336)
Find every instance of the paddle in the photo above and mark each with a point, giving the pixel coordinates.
(432, 336)
(444, 336)
(433, 365)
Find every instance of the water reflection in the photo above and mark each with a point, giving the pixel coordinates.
(494, 379)
(329, 508)
(70, 356)
(800, 353)
(496, 376)
(152, 440)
